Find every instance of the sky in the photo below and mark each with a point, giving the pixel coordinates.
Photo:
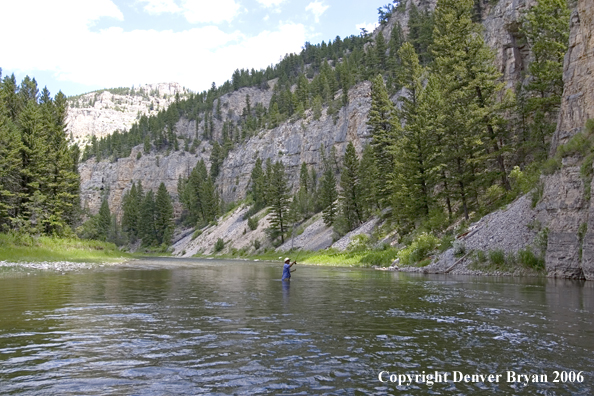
(78, 46)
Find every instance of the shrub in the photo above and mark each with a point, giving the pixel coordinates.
(497, 257)
(257, 244)
(419, 249)
(252, 223)
(219, 245)
(459, 248)
(447, 241)
(359, 242)
(481, 257)
(528, 259)
(438, 219)
(380, 257)
(196, 234)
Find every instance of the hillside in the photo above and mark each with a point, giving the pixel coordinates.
(252, 121)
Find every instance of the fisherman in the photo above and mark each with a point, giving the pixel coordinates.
(287, 269)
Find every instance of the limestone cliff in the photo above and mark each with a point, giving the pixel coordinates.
(563, 200)
(113, 179)
(297, 142)
(103, 112)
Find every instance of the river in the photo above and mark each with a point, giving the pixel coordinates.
(188, 327)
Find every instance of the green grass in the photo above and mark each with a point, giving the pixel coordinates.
(498, 260)
(24, 248)
(334, 258)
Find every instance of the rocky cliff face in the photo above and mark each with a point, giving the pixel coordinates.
(297, 142)
(113, 179)
(501, 22)
(564, 204)
(291, 142)
(103, 112)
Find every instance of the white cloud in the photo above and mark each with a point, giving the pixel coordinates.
(157, 7)
(317, 8)
(115, 57)
(270, 3)
(205, 11)
(52, 16)
(370, 27)
(196, 11)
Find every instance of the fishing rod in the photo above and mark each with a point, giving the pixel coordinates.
(293, 242)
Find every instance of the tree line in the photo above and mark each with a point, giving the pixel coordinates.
(146, 216)
(39, 181)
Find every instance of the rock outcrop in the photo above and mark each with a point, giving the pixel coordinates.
(297, 142)
(101, 113)
(113, 179)
(563, 200)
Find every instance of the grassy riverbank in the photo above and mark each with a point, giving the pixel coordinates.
(24, 248)
(329, 257)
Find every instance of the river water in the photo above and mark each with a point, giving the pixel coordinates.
(188, 327)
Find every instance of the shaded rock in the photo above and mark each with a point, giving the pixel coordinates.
(316, 236)
(364, 229)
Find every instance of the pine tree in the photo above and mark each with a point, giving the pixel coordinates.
(546, 27)
(304, 199)
(131, 203)
(147, 220)
(10, 97)
(350, 193)
(279, 200)
(104, 221)
(385, 129)
(416, 150)
(368, 183)
(258, 185)
(420, 35)
(216, 159)
(380, 53)
(210, 200)
(163, 216)
(10, 162)
(328, 195)
(317, 107)
(34, 165)
(473, 133)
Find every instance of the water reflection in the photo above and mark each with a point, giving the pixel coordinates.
(211, 327)
(286, 292)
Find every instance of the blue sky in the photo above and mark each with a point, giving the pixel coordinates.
(81, 45)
